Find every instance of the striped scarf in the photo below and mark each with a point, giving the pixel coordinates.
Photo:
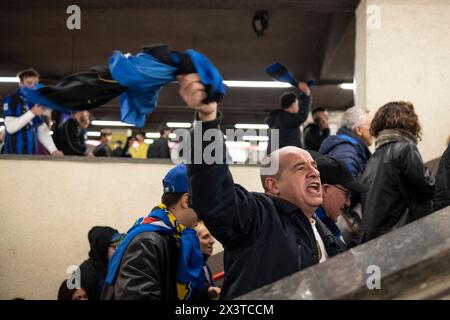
(190, 263)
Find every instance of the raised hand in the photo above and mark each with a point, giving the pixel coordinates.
(193, 93)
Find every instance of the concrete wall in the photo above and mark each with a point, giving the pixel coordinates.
(47, 208)
(403, 53)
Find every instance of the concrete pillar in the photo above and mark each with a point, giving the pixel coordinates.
(403, 53)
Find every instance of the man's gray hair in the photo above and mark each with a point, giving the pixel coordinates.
(353, 118)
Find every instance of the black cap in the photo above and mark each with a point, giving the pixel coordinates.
(334, 171)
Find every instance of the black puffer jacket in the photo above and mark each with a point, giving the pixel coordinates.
(148, 269)
(401, 189)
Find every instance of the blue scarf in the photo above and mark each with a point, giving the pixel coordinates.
(282, 74)
(143, 76)
(322, 215)
(190, 276)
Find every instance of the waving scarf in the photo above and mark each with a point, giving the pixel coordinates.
(282, 74)
(138, 79)
(190, 263)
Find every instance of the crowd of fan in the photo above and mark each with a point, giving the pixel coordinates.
(27, 131)
(330, 193)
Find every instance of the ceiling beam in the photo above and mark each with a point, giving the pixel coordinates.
(306, 5)
(338, 26)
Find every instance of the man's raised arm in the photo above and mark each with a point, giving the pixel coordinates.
(225, 208)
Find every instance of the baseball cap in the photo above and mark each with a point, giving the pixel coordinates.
(116, 237)
(334, 171)
(176, 180)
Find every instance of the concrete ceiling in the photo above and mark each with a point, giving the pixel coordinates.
(313, 38)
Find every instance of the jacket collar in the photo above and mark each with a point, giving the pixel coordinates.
(353, 135)
(288, 208)
(285, 206)
(394, 135)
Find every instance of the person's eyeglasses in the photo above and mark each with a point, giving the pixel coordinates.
(348, 194)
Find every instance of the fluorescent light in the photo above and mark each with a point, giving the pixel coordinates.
(9, 79)
(178, 124)
(93, 134)
(2, 120)
(256, 84)
(156, 135)
(148, 141)
(152, 135)
(250, 126)
(237, 144)
(256, 138)
(347, 86)
(93, 142)
(111, 123)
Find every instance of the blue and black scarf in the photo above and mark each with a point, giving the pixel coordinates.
(137, 79)
(190, 275)
(322, 215)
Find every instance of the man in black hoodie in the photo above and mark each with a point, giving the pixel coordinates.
(289, 118)
(103, 241)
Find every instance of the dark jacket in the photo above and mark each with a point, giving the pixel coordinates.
(93, 270)
(265, 239)
(102, 150)
(117, 152)
(148, 269)
(289, 123)
(314, 135)
(400, 189)
(70, 138)
(159, 149)
(348, 147)
(442, 189)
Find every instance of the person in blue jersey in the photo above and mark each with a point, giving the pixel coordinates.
(160, 257)
(337, 185)
(23, 123)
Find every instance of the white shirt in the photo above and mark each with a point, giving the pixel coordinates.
(323, 255)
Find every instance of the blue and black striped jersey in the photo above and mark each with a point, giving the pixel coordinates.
(23, 141)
